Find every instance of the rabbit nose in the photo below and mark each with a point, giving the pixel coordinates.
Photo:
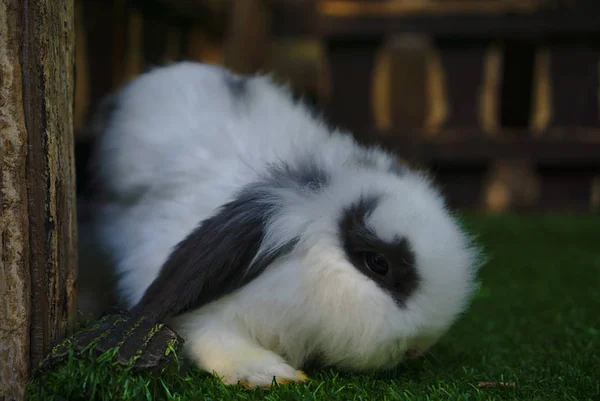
(413, 353)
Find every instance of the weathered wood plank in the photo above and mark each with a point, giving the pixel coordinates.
(579, 147)
(476, 19)
(14, 232)
(37, 185)
(48, 63)
(473, 25)
(574, 73)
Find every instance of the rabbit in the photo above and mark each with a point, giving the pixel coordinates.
(265, 237)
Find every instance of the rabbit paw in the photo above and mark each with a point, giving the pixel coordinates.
(237, 360)
(264, 376)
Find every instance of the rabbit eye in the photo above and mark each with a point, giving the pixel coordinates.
(376, 262)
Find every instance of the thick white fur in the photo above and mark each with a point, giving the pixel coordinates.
(180, 145)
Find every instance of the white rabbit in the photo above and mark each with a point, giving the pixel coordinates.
(265, 238)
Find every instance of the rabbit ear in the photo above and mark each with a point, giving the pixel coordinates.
(218, 257)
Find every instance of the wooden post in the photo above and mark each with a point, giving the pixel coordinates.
(574, 74)
(352, 64)
(248, 38)
(37, 185)
(463, 63)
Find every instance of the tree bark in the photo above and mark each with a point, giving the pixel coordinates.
(37, 185)
(14, 230)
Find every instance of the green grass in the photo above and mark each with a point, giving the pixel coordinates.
(535, 321)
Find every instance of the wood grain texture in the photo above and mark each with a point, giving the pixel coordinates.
(48, 62)
(37, 185)
(14, 233)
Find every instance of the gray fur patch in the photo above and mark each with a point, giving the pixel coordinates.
(237, 85)
(398, 169)
(306, 174)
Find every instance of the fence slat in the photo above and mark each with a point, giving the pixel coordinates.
(351, 63)
(574, 76)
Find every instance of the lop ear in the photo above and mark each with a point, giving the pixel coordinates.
(218, 257)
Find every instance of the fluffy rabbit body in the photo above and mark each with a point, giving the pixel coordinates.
(265, 238)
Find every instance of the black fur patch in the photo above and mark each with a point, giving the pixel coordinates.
(368, 160)
(305, 174)
(402, 278)
(365, 159)
(214, 259)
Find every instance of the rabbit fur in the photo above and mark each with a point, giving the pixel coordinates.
(230, 210)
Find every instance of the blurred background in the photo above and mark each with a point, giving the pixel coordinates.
(499, 99)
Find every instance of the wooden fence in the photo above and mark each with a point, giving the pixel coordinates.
(519, 105)
(499, 98)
